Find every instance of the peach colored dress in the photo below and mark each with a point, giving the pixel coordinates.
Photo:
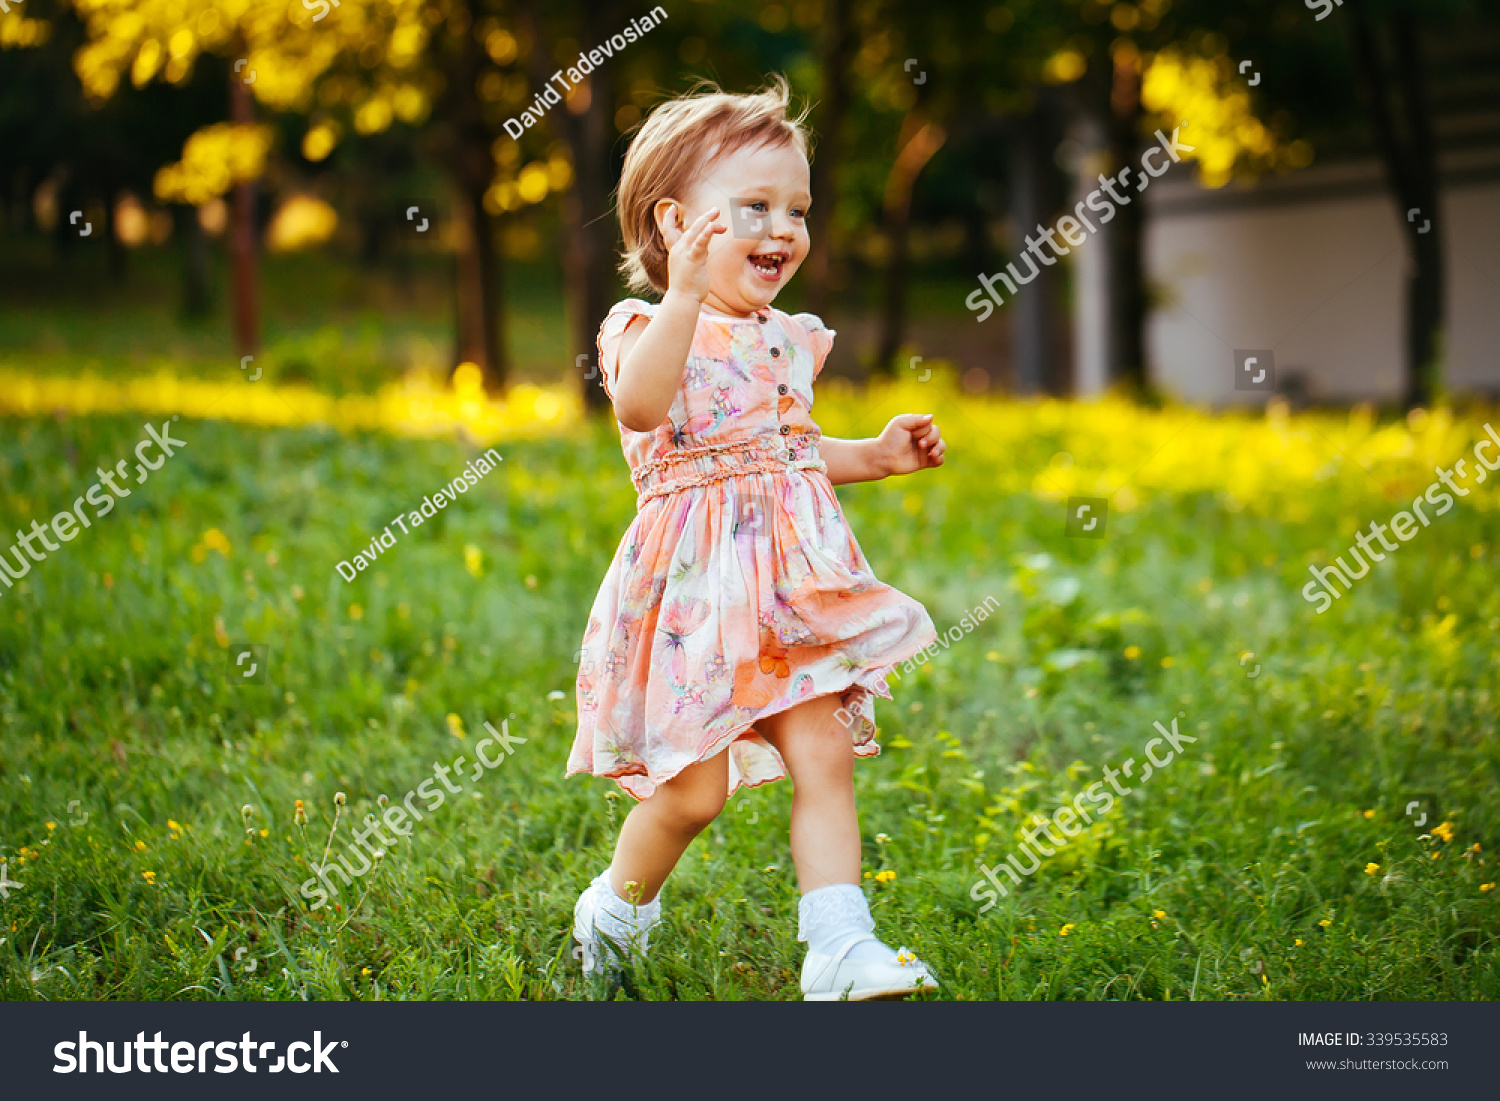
(738, 591)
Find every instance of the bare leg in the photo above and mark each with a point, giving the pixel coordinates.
(820, 757)
(658, 830)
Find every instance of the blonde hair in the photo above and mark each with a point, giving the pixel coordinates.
(675, 147)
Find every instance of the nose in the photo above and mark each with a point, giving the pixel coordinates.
(782, 227)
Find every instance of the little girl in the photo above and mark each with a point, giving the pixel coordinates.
(739, 634)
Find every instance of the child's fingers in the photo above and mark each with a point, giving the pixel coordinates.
(695, 231)
(703, 232)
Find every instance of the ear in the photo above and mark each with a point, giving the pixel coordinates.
(670, 217)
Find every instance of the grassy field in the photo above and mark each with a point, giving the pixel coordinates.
(1271, 859)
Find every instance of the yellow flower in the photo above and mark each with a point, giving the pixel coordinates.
(1299, 942)
(472, 559)
(1132, 652)
(365, 971)
(1326, 922)
(140, 846)
(1437, 856)
(174, 826)
(905, 957)
(265, 833)
(356, 612)
(149, 877)
(1486, 886)
(1443, 830)
(885, 876)
(1371, 869)
(1168, 662)
(214, 539)
(881, 838)
(1475, 847)
(455, 725)
(1158, 913)
(51, 826)
(1369, 814)
(1065, 930)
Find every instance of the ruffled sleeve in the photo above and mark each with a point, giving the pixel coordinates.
(612, 332)
(820, 336)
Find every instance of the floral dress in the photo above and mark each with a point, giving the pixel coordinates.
(738, 591)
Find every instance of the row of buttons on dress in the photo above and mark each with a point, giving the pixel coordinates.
(781, 388)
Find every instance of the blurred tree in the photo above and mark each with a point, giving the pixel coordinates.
(366, 63)
(59, 147)
(586, 129)
(836, 48)
(1394, 85)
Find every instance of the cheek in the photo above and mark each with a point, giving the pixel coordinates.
(726, 253)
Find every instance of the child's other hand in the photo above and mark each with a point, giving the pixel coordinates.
(911, 442)
(687, 252)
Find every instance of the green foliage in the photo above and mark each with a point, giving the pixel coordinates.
(120, 728)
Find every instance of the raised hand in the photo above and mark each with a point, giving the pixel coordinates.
(687, 252)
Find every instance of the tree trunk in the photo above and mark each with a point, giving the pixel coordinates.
(118, 254)
(477, 275)
(477, 266)
(835, 54)
(1033, 202)
(243, 260)
(1411, 168)
(584, 124)
(197, 297)
(588, 257)
(1426, 287)
(920, 140)
(1127, 262)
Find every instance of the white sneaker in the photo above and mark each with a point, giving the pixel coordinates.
(600, 954)
(832, 978)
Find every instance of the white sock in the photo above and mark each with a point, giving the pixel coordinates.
(829, 916)
(621, 921)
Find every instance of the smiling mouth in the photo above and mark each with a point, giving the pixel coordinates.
(768, 265)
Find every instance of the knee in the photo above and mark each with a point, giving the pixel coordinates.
(691, 809)
(825, 759)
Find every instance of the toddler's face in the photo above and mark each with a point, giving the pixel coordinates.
(762, 195)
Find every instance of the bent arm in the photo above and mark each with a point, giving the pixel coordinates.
(652, 359)
(850, 460)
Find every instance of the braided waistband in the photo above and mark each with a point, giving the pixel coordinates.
(710, 463)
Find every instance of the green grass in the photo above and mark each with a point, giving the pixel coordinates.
(115, 704)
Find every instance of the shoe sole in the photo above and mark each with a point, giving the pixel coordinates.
(870, 994)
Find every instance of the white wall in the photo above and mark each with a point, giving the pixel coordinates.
(1312, 266)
